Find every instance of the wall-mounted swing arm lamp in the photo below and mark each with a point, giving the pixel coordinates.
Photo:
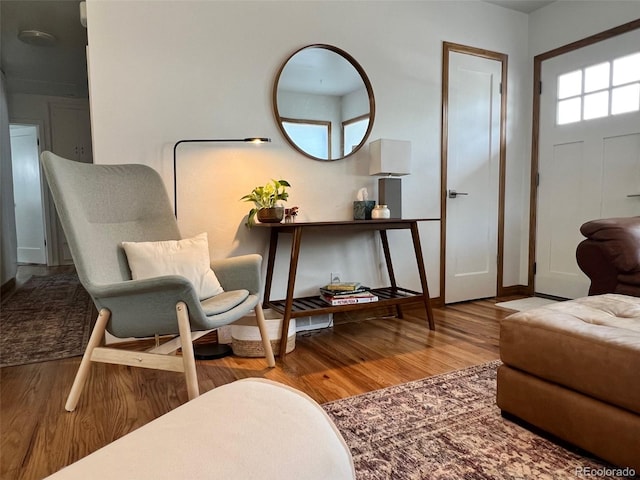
(205, 140)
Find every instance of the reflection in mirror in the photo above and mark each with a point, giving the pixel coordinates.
(312, 136)
(323, 102)
(353, 131)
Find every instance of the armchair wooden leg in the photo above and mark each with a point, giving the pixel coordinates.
(262, 325)
(96, 339)
(188, 358)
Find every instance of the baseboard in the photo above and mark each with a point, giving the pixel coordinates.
(514, 290)
(437, 302)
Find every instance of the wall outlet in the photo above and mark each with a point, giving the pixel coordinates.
(336, 277)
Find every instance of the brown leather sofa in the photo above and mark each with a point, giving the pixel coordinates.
(573, 369)
(610, 255)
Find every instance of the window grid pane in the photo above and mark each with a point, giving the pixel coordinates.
(625, 99)
(596, 77)
(596, 105)
(626, 69)
(569, 111)
(570, 84)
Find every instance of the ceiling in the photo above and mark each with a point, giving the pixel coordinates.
(525, 6)
(320, 71)
(61, 69)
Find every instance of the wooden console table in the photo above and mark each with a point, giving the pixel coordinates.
(393, 295)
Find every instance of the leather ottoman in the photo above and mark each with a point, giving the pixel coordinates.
(573, 370)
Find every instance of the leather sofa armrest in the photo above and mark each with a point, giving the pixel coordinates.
(619, 239)
(596, 264)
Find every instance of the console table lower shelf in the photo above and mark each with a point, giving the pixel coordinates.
(314, 305)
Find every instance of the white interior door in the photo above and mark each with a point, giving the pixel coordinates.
(473, 166)
(27, 194)
(589, 153)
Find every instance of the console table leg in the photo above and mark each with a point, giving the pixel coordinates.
(423, 274)
(388, 262)
(293, 268)
(273, 248)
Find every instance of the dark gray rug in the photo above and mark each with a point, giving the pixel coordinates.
(448, 427)
(47, 318)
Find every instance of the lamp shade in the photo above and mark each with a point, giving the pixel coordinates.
(390, 157)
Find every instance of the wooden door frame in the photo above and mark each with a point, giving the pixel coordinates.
(535, 135)
(447, 48)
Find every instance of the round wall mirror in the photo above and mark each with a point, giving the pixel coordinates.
(323, 102)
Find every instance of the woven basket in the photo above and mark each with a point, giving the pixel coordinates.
(247, 342)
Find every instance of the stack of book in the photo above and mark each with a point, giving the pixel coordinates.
(346, 293)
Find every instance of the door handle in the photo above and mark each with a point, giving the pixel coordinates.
(454, 194)
(633, 195)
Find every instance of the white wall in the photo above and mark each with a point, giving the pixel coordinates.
(566, 21)
(161, 71)
(8, 242)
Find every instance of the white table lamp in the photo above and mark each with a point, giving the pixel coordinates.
(390, 159)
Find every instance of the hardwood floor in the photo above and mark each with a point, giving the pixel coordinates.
(356, 355)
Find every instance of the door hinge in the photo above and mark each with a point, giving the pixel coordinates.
(535, 268)
(500, 88)
(540, 88)
(537, 179)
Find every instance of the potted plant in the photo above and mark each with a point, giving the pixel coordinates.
(265, 199)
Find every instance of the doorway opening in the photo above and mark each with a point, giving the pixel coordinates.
(28, 194)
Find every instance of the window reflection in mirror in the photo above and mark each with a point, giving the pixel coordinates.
(312, 136)
(353, 131)
(323, 102)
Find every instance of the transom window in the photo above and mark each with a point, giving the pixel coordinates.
(596, 91)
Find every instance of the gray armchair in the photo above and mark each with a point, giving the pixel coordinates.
(100, 206)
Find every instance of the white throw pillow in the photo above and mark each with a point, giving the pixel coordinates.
(188, 257)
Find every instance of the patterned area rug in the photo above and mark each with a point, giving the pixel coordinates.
(47, 318)
(448, 427)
